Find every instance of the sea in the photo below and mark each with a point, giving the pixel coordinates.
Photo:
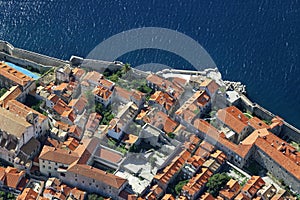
(255, 42)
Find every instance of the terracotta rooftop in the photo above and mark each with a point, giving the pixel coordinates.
(163, 99)
(97, 174)
(281, 152)
(165, 85)
(233, 118)
(22, 110)
(8, 118)
(93, 121)
(164, 122)
(168, 197)
(14, 75)
(256, 123)
(169, 171)
(197, 182)
(121, 92)
(211, 85)
(129, 138)
(11, 94)
(58, 155)
(28, 194)
(207, 196)
(276, 121)
(79, 104)
(93, 76)
(253, 185)
(231, 189)
(78, 72)
(105, 83)
(71, 143)
(11, 177)
(53, 97)
(108, 154)
(212, 132)
(77, 194)
(193, 105)
(102, 92)
(60, 107)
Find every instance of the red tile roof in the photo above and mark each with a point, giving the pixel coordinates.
(165, 85)
(197, 182)
(256, 123)
(102, 92)
(78, 72)
(11, 94)
(21, 110)
(28, 194)
(233, 118)
(253, 185)
(164, 122)
(106, 83)
(173, 168)
(212, 132)
(11, 177)
(163, 99)
(281, 152)
(61, 107)
(93, 121)
(211, 85)
(231, 189)
(58, 155)
(79, 104)
(97, 174)
(14, 75)
(193, 105)
(109, 155)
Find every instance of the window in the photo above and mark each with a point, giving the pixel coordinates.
(49, 167)
(43, 166)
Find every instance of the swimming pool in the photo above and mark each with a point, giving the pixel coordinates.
(23, 70)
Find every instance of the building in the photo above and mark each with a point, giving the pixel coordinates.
(236, 121)
(196, 185)
(193, 108)
(210, 86)
(93, 122)
(72, 167)
(62, 74)
(169, 173)
(118, 125)
(40, 121)
(103, 95)
(156, 82)
(163, 101)
(13, 138)
(13, 93)
(11, 77)
(231, 190)
(12, 179)
(250, 189)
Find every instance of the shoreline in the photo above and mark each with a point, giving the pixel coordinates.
(43, 63)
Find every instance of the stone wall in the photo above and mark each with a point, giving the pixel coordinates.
(291, 132)
(276, 169)
(27, 58)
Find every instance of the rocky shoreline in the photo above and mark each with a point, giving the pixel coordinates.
(237, 86)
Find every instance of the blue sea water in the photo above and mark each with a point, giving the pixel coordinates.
(256, 42)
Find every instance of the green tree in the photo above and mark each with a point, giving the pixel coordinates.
(216, 183)
(126, 68)
(180, 185)
(2, 91)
